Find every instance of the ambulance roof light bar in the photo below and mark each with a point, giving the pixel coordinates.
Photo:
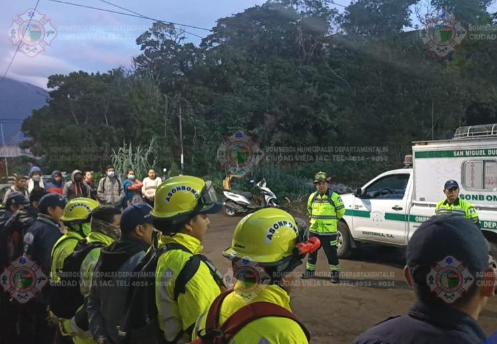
(484, 130)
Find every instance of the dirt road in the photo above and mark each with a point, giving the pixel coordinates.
(372, 289)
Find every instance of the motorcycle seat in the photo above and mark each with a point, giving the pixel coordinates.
(247, 195)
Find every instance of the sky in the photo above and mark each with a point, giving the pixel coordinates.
(92, 40)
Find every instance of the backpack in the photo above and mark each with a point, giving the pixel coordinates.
(141, 323)
(118, 183)
(215, 334)
(65, 295)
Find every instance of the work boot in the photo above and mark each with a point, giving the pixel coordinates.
(308, 274)
(335, 277)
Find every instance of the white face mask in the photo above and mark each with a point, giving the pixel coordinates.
(36, 178)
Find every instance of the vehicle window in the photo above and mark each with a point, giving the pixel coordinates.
(390, 187)
(480, 175)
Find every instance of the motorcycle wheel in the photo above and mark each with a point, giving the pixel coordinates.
(229, 211)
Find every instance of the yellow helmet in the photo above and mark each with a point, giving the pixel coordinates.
(321, 177)
(178, 198)
(79, 209)
(266, 236)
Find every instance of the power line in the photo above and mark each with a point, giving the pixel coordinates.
(19, 45)
(157, 20)
(133, 14)
(334, 3)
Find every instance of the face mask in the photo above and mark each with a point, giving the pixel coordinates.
(111, 174)
(77, 179)
(106, 228)
(36, 178)
(131, 177)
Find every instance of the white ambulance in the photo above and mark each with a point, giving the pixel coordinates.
(388, 209)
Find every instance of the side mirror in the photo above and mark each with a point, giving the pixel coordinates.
(358, 193)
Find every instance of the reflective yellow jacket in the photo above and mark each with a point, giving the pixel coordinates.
(62, 249)
(80, 336)
(201, 290)
(268, 330)
(323, 213)
(459, 207)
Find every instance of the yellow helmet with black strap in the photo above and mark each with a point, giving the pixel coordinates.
(79, 210)
(77, 214)
(180, 199)
(271, 238)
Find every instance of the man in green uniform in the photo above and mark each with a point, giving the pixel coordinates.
(325, 208)
(454, 205)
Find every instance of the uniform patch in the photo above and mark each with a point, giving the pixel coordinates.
(253, 278)
(23, 279)
(449, 279)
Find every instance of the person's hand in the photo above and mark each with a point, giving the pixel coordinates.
(103, 340)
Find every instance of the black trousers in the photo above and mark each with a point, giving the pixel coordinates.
(27, 324)
(329, 249)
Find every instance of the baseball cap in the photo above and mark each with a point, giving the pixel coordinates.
(51, 200)
(16, 198)
(447, 251)
(135, 215)
(451, 184)
(321, 177)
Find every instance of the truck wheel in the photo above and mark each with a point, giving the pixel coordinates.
(343, 240)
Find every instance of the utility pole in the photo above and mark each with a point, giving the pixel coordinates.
(5, 155)
(432, 119)
(181, 138)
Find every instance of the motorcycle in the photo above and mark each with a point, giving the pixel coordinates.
(240, 202)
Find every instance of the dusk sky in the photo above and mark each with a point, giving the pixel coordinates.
(94, 41)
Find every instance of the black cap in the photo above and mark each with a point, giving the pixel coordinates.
(451, 184)
(51, 200)
(451, 252)
(16, 198)
(135, 215)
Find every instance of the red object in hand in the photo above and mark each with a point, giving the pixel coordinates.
(137, 186)
(311, 245)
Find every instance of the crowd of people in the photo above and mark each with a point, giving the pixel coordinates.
(110, 190)
(123, 263)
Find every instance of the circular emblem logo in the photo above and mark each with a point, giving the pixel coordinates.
(31, 32)
(377, 217)
(239, 154)
(23, 279)
(443, 32)
(449, 279)
(251, 276)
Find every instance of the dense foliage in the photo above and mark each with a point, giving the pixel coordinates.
(291, 73)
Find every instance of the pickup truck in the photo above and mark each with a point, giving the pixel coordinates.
(388, 209)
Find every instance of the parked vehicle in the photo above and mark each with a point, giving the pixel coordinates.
(388, 209)
(240, 202)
